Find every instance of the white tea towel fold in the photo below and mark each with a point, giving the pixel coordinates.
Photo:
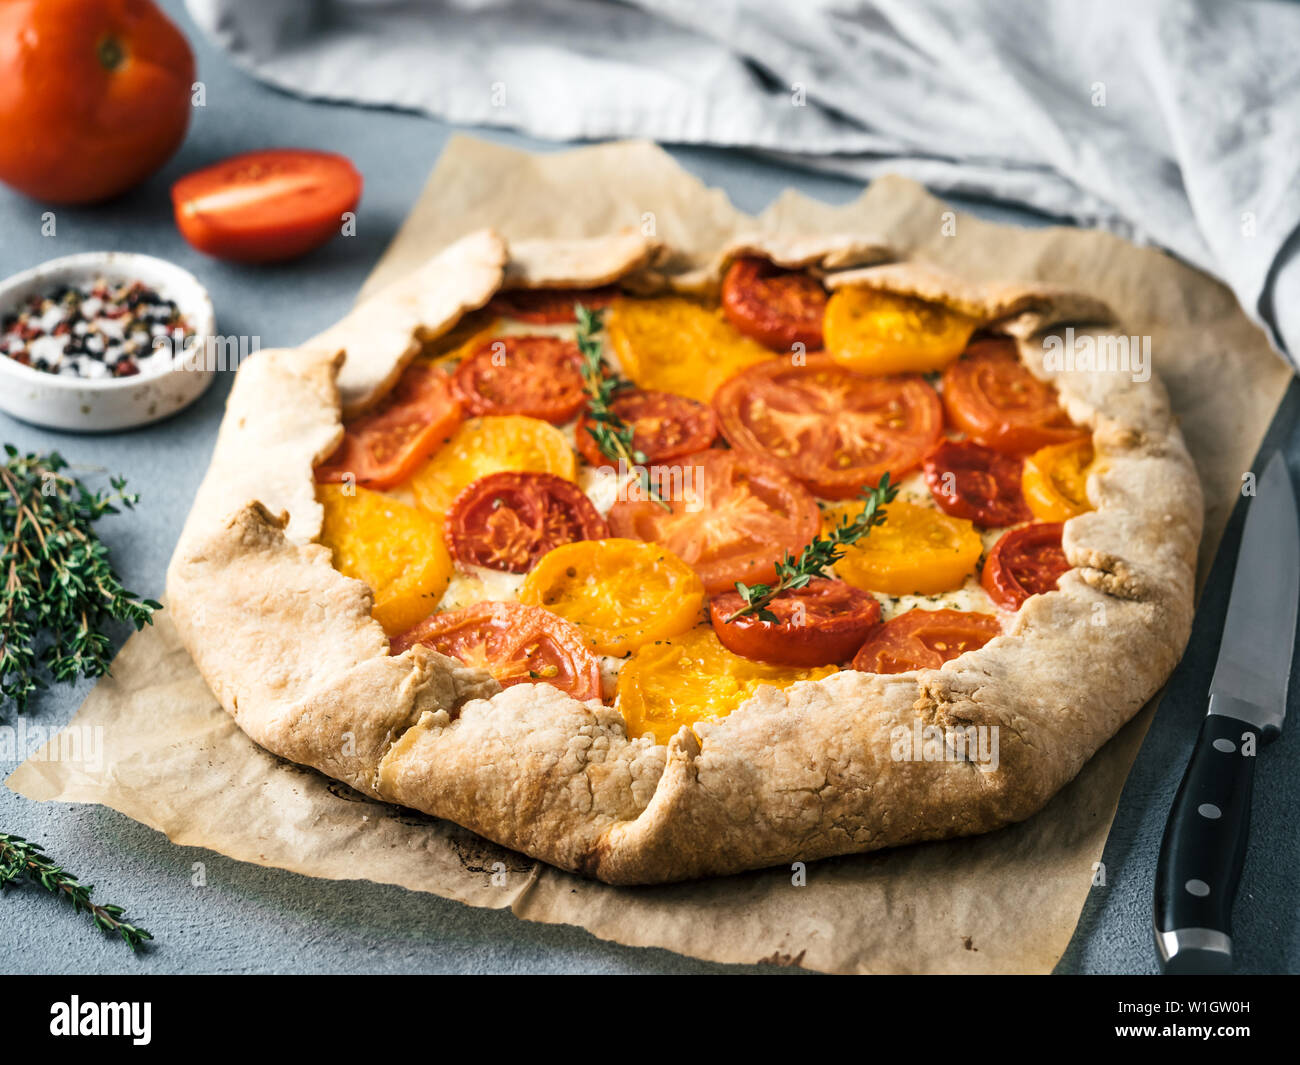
(1176, 122)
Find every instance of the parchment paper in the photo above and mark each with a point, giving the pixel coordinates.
(1005, 902)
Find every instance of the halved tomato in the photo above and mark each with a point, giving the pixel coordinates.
(925, 639)
(778, 308)
(1055, 480)
(1025, 561)
(992, 397)
(820, 624)
(550, 306)
(834, 429)
(486, 445)
(974, 482)
(383, 448)
(536, 376)
(884, 332)
(730, 515)
(517, 644)
(621, 594)
(693, 677)
(917, 551)
(266, 206)
(664, 426)
(507, 521)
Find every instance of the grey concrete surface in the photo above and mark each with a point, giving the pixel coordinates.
(250, 919)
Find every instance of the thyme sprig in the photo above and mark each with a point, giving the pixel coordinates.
(819, 556)
(56, 582)
(613, 436)
(20, 859)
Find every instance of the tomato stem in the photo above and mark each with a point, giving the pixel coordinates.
(111, 53)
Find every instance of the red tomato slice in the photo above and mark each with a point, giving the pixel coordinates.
(664, 426)
(994, 399)
(507, 521)
(517, 644)
(833, 428)
(550, 306)
(265, 206)
(383, 448)
(1024, 562)
(778, 308)
(536, 376)
(924, 639)
(731, 516)
(976, 483)
(820, 624)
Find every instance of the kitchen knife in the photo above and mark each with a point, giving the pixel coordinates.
(1204, 845)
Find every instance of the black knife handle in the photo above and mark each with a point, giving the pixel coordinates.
(1204, 848)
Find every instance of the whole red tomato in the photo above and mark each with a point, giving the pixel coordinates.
(94, 95)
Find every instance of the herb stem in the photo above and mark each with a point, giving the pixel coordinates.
(819, 556)
(20, 859)
(613, 436)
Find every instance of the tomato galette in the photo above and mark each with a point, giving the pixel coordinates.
(654, 575)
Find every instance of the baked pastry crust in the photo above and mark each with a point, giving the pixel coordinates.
(289, 648)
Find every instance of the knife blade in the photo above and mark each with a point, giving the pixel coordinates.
(1204, 845)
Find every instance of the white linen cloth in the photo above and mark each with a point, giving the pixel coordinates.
(1175, 122)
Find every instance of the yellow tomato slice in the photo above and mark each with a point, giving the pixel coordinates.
(394, 548)
(621, 594)
(672, 344)
(692, 678)
(917, 551)
(881, 332)
(1055, 480)
(489, 445)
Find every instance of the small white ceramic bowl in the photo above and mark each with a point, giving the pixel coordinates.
(97, 405)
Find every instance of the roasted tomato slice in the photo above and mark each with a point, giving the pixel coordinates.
(692, 678)
(917, 551)
(885, 332)
(664, 426)
(517, 644)
(489, 445)
(390, 546)
(1025, 561)
(977, 483)
(383, 448)
(820, 624)
(731, 516)
(550, 306)
(834, 429)
(778, 308)
(621, 594)
(507, 521)
(924, 639)
(1055, 480)
(678, 345)
(536, 376)
(994, 399)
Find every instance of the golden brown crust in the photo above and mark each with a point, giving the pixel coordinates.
(582, 262)
(290, 650)
(384, 332)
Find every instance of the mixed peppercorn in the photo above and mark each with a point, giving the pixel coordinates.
(103, 329)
